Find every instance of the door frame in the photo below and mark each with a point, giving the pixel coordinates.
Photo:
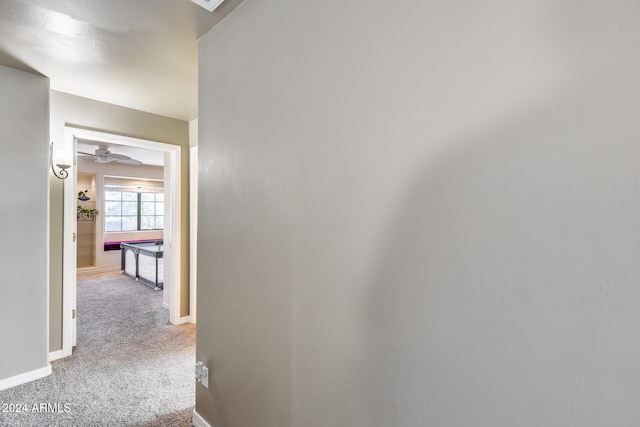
(193, 231)
(172, 247)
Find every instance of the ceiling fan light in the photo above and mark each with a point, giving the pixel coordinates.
(114, 156)
(103, 155)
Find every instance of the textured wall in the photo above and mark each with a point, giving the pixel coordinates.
(24, 135)
(420, 214)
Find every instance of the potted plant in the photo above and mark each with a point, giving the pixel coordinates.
(82, 195)
(86, 214)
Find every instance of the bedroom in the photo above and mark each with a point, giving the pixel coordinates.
(120, 199)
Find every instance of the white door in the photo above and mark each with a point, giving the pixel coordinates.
(69, 230)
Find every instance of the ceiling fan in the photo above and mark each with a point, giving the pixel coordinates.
(104, 155)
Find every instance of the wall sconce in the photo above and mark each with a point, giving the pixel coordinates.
(210, 5)
(63, 174)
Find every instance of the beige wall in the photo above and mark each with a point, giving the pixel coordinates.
(420, 213)
(88, 114)
(24, 134)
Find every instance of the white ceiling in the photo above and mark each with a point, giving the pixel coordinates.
(140, 54)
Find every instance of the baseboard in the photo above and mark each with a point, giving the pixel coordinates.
(198, 421)
(55, 355)
(95, 270)
(59, 354)
(183, 320)
(25, 378)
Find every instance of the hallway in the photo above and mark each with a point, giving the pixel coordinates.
(130, 367)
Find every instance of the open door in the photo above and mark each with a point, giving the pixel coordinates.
(70, 233)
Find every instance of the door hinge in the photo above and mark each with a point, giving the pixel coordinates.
(74, 237)
(73, 313)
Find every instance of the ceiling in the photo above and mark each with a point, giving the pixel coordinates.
(140, 54)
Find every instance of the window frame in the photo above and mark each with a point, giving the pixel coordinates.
(138, 216)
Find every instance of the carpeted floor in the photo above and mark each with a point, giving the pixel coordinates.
(130, 367)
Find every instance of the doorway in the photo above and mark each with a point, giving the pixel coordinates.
(172, 220)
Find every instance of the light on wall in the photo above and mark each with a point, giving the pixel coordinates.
(63, 174)
(210, 5)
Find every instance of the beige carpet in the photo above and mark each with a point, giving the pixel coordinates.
(130, 368)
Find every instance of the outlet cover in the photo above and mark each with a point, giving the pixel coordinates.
(205, 376)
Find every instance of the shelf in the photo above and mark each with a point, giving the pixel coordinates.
(86, 216)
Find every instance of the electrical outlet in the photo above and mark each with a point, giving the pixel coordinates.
(205, 376)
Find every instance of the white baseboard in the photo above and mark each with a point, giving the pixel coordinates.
(55, 355)
(59, 354)
(198, 421)
(25, 378)
(183, 320)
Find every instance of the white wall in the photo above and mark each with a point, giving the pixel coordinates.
(24, 141)
(420, 214)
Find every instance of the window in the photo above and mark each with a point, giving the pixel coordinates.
(132, 211)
